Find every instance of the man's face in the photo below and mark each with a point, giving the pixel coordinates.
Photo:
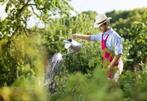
(103, 27)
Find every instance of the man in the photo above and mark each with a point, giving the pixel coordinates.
(111, 45)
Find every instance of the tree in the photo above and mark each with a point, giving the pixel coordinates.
(19, 11)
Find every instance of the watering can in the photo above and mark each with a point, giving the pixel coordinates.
(72, 45)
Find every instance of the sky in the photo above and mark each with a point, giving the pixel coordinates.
(100, 6)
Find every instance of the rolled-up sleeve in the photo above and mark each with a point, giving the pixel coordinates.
(118, 45)
(96, 37)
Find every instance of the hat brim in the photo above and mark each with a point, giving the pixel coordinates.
(96, 25)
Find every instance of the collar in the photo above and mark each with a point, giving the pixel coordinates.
(107, 32)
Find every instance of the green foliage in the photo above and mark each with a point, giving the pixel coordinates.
(83, 87)
(8, 66)
(133, 86)
(86, 60)
(24, 89)
(21, 57)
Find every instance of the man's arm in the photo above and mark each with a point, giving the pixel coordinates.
(118, 49)
(115, 59)
(80, 36)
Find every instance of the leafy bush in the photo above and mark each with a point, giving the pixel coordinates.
(84, 87)
(22, 56)
(25, 89)
(133, 86)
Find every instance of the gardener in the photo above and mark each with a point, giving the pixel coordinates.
(111, 45)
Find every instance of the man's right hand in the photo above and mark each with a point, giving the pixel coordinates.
(74, 36)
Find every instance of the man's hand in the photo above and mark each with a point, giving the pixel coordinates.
(74, 36)
(109, 66)
(114, 61)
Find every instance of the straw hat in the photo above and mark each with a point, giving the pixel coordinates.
(101, 19)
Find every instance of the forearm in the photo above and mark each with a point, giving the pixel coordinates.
(115, 59)
(80, 36)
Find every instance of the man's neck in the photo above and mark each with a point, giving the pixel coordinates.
(106, 30)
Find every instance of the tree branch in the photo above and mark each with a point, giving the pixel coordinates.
(34, 11)
(36, 6)
(20, 10)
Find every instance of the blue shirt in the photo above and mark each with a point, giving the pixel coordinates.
(113, 43)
